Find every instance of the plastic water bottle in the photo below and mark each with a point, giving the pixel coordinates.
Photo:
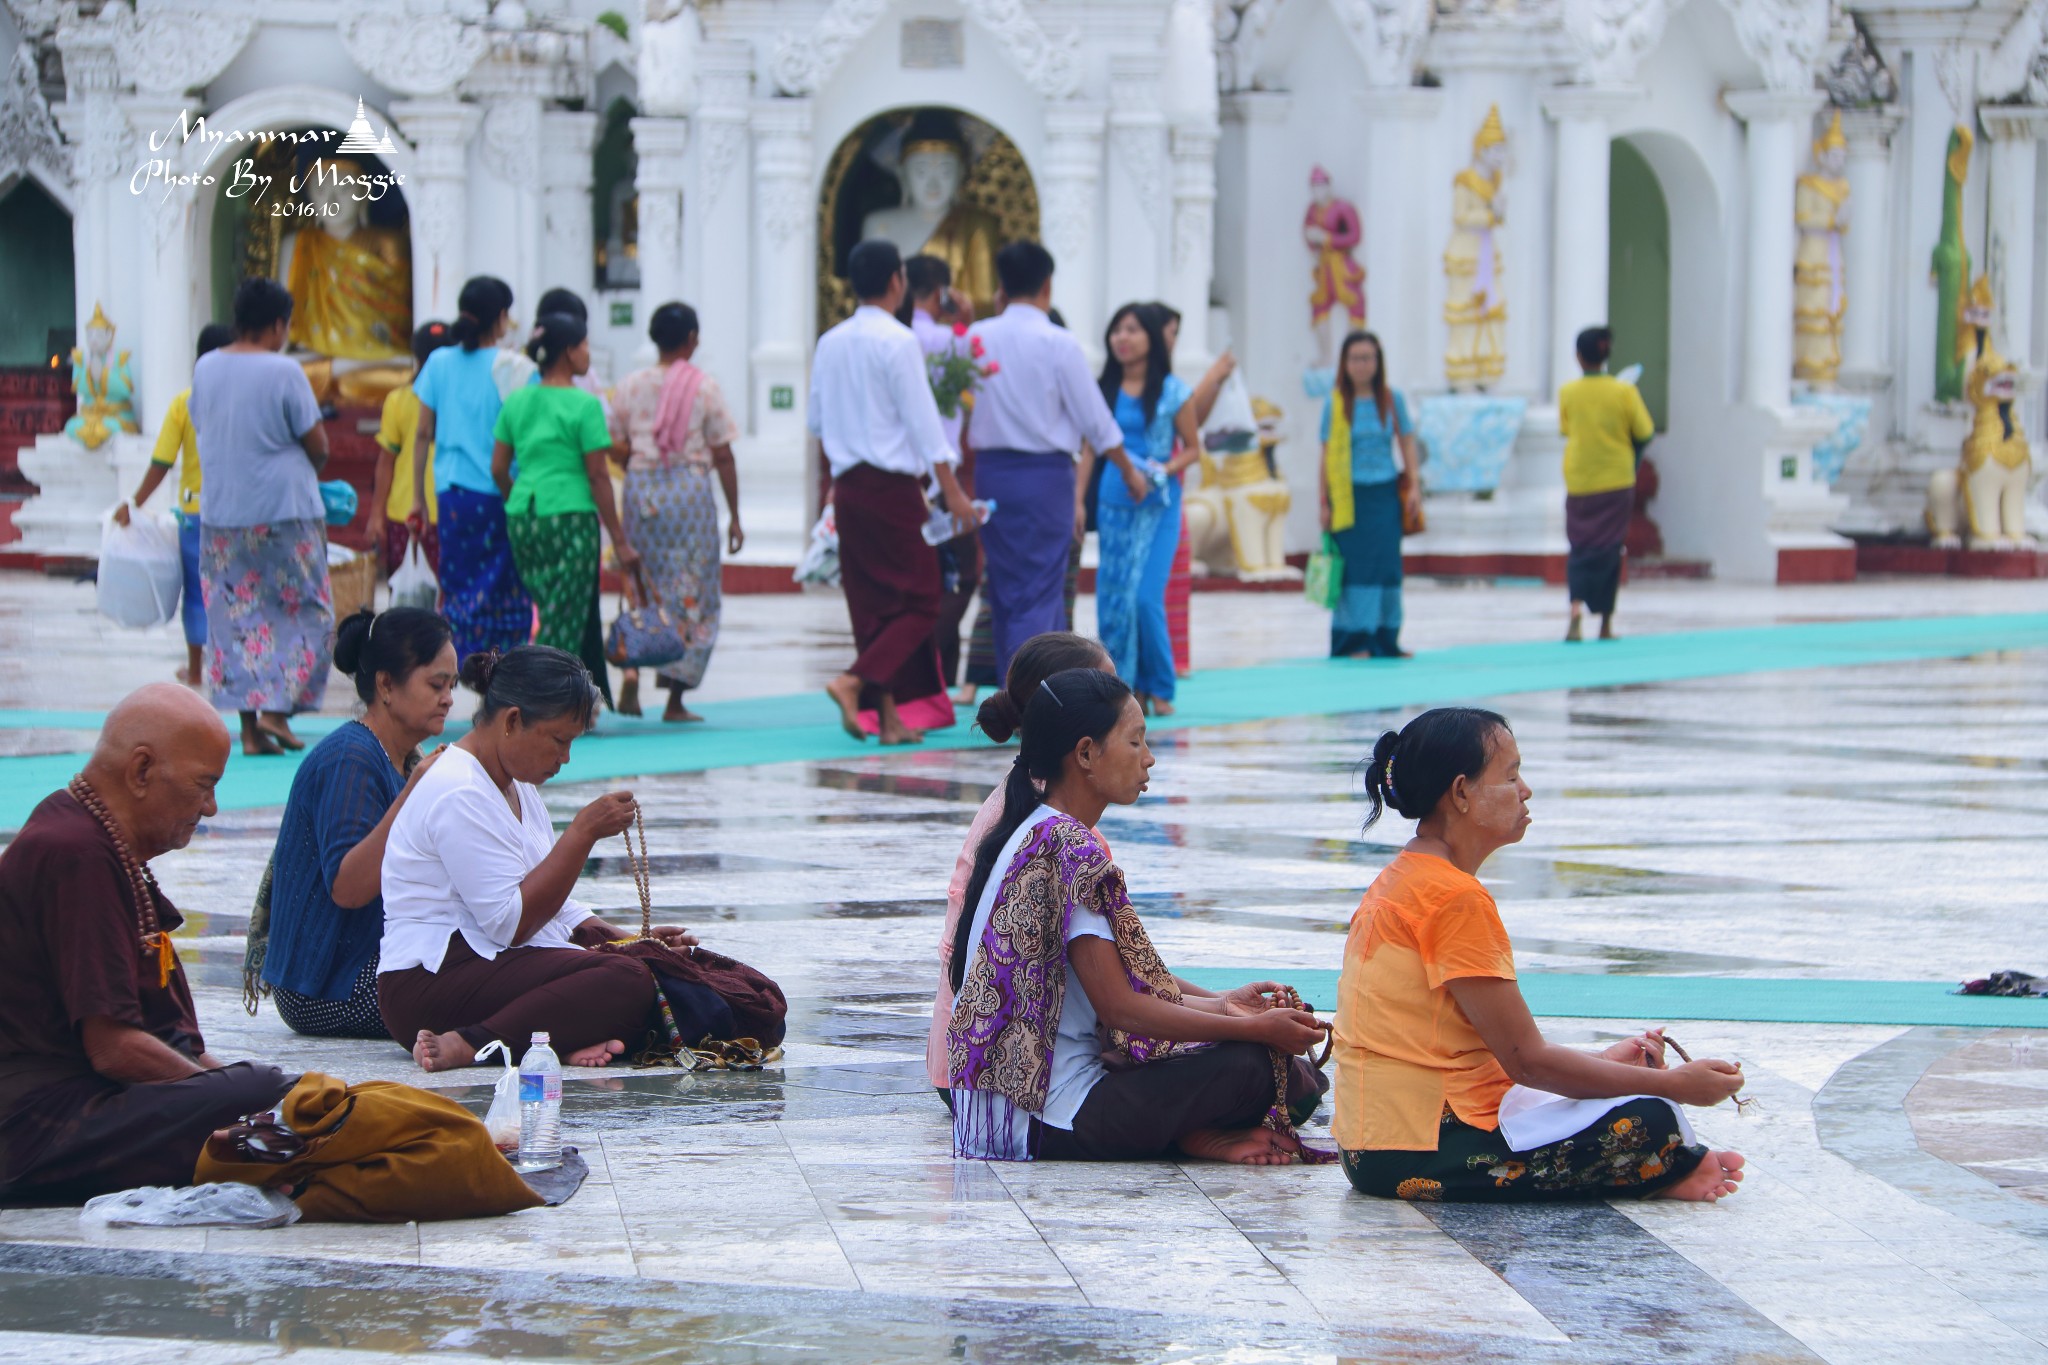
(540, 1107)
(942, 526)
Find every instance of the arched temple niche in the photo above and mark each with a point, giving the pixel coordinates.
(874, 180)
(1639, 275)
(36, 305)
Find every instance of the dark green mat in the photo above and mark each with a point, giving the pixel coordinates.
(802, 727)
(1762, 1000)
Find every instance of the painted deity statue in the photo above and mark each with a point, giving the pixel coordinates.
(1474, 305)
(931, 220)
(1987, 492)
(1332, 229)
(105, 388)
(1821, 209)
(1240, 510)
(351, 282)
(1951, 272)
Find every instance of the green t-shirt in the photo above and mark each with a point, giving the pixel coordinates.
(550, 430)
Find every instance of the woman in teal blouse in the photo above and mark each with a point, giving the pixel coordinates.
(1368, 446)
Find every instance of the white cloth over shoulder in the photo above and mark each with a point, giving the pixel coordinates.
(871, 398)
(1041, 399)
(1536, 1118)
(454, 862)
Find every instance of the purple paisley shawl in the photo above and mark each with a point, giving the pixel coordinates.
(1000, 1040)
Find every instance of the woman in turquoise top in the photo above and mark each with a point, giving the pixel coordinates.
(1365, 518)
(1139, 538)
(558, 434)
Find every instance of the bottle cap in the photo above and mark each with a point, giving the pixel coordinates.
(540, 1038)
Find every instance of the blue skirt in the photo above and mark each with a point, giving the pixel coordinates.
(481, 595)
(1368, 616)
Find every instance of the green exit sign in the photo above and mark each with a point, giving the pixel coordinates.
(781, 398)
(1788, 468)
(622, 313)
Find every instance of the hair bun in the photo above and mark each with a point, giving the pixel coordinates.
(998, 717)
(477, 669)
(349, 638)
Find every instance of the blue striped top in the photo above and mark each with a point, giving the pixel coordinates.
(340, 793)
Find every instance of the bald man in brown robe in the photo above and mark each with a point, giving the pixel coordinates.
(105, 1081)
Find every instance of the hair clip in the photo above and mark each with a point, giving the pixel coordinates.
(1046, 684)
(1387, 784)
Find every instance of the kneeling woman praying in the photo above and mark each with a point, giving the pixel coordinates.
(482, 940)
(1446, 1090)
(1069, 1039)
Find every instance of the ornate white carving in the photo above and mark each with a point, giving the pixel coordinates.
(1388, 35)
(723, 141)
(784, 209)
(1065, 216)
(1192, 232)
(413, 54)
(170, 51)
(1141, 150)
(511, 141)
(36, 18)
(1787, 39)
(1613, 36)
(667, 65)
(1859, 79)
(805, 59)
(28, 135)
(2010, 65)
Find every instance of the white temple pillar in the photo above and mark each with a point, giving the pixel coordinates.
(163, 336)
(568, 256)
(783, 300)
(1070, 193)
(1866, 273)
(717, 241)
(509, 149)
(2016, 132)
(1777, 122)
(100, 140)
(659, 147)
(1138, 188)
(1191, 259)
(1401, 265)
(1579, 242)
(437, 201)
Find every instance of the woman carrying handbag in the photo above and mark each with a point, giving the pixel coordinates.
(1370, 498)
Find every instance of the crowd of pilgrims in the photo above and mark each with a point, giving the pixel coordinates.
(421, 894)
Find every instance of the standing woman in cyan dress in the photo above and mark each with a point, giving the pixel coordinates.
(263, 532)
(1365, 423)
(673, 419)
(481, 595)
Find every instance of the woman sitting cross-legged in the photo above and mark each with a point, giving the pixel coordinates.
(482, 940)
(1440, 1068)
(1053, 974)
(326, 916)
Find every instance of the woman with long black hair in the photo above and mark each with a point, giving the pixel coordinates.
(1370, 481)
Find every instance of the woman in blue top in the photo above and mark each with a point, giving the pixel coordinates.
(1138, 538)
(486, 605)
(326, 907)
(1364, 497)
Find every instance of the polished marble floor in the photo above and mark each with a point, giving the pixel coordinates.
(1880, 822)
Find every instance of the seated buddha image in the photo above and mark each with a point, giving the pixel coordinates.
(350, 280)
(932, 219)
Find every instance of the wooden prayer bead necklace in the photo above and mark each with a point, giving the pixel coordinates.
(641, 873)
(1743, 1106)
(1288, 998)
(155, 942)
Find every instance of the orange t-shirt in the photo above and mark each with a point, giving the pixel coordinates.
(1404, 1048)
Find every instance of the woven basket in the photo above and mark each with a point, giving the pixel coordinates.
(353, 586)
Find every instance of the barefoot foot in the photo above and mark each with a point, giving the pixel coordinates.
(629, 698)
(1576, 631)
(1716, 1177)
(675, 713)
(441, 1051)
(258, 745)
(597, 1054)
(277, 727)
(1239, 1146)
(844, 691)
(896, 732)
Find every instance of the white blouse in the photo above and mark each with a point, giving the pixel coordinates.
(454, 862)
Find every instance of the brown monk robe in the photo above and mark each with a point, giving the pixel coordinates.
(105, 1082)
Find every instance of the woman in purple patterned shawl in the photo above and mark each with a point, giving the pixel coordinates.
(1069, 1039)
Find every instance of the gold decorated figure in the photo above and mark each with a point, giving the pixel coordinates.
(1474, 305)
(105, 389)
(1821, 209)
(351, 282)
(1240, 510)
(932, 219)
(1987, 491)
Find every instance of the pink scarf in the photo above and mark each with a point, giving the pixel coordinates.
(678, 406)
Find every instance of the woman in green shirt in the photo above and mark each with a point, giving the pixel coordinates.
(558, 435)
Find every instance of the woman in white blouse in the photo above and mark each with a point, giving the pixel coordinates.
(482, 940)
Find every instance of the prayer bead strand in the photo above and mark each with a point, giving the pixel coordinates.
(141, 882)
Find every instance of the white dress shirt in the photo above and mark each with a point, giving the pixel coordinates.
(454, 862)
(871, 398)
(935, 339)
(1041, 397)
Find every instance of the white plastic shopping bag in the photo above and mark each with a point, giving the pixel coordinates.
(414, 585)
(140, 574)
(503, 1119)
(820, 564)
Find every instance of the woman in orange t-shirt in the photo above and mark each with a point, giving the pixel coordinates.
(1432, 1031)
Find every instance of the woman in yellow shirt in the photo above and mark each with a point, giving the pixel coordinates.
(1440, 1067)
(178, 444)
(391, 525)
(1604, 424)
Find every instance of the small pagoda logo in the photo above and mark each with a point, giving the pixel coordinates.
(363, 138)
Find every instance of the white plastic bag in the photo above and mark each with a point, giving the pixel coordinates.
(820, 563)
(222, 1205)
(503, 1118)
(140, 574)
(414, 585)
(1231, 427)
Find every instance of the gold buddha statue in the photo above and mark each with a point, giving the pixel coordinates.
(1474, 305)
(351, 285)
(931, 220)
(1821, 210)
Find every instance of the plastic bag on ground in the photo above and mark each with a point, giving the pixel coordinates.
(414, 585)
(195, 1206)
(503, 1120)
(140, 575)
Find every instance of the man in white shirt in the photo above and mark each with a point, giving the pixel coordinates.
(1030, 420)
(872, 409)
(933, 311)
